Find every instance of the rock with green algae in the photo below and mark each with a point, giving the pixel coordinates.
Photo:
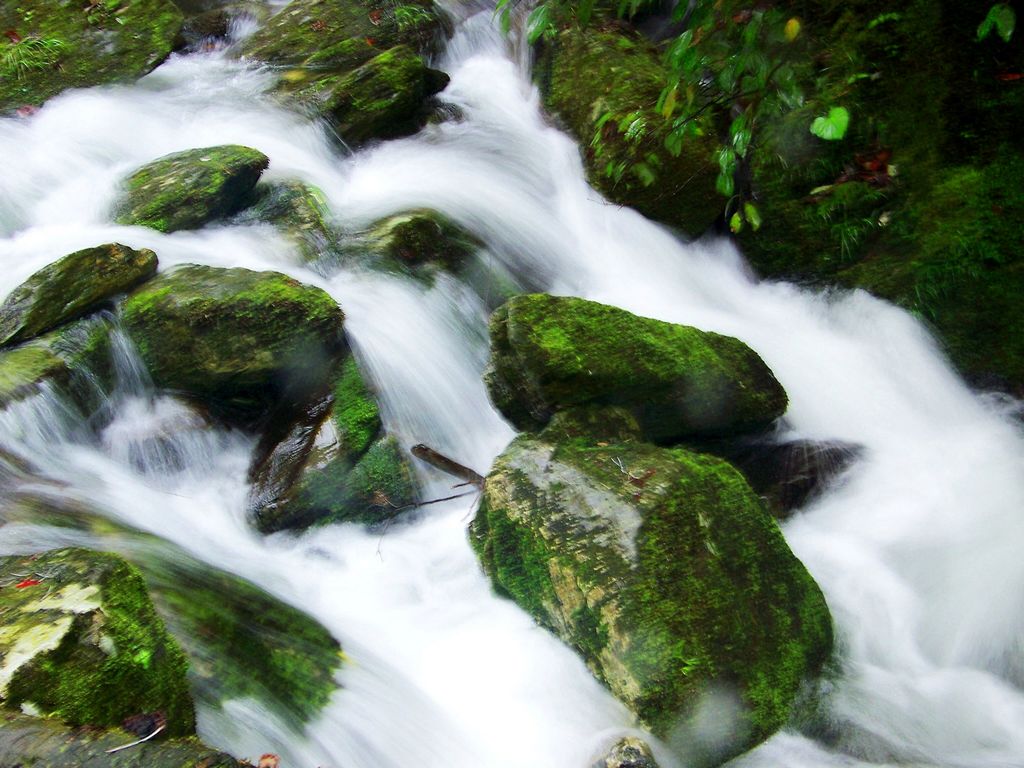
(382, 99)
(333, 464)
(61, 44)
(300, 212)
(337, 36)
(241, 642)
(70, 287)
(629, 752)
(549, 353)
(624, 76)
(186, 190)
(422, 237)
(663, 570)
(82, 643)
(235, 337)
(74, 360)
(29, 741)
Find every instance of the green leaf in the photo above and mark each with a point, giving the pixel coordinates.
(1000, 17)
(735, 223)
(538, 23)
(792, 29)
(832, 126)
(583, 13)
(752, 215)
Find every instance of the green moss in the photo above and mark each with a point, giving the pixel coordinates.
(550, 353)
(355, 413)
(66, 44)
(423, 236)
(623, 80)
(378, 485)
(71, 286)
(234, 334)
(24, 369)
(383, 98)
(111, 657)
(186, 190)
(300, 211)
(663, 570)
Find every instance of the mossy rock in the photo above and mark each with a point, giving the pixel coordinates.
(340, 35)
(382, 99)
(629, 752)
(70, 287)
(300, 212)
(74, 360)
(333, 463)
(590, 74)
(423, 237)
(82, 643)
(186, 190)
(664, 571)
(550, 353)
(236, 337)
(71, 44)
(29, 741)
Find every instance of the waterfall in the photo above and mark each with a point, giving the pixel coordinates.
(917, 547)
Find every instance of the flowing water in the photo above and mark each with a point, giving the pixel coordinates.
(918, 547)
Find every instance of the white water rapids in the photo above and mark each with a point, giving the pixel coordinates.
(919, 550)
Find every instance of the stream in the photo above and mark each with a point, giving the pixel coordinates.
(918, 547)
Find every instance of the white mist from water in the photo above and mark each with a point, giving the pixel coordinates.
(917, 549)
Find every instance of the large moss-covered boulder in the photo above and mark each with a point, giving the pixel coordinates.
(71, 286)
(664, 571)
(422, 237)
(57, 44)
(186, 190)
(550, 352)
(381, 99)
(81, 643)
(28, 741)
(234, 336)
(604, 83)
(74, 360)
(333, 464)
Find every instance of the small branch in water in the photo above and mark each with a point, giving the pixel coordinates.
(135, 743)
(450, 466)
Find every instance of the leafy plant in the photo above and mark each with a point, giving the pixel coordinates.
(832, 126)
(409, 16)
(29, 54)
(1001, 18)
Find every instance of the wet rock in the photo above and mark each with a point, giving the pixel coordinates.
(629, 752)
(70, 287)
(624, 78)
(789, 475)
(73, 360)
(81, 643)
(64, 45)
(234, 337)
(421, 237)
(299, 211)
(29, 741)
(663, 570)
(333, 464)
(356, 64)
(384, 98)
(186, 190)
(214, 24)
(550, 353)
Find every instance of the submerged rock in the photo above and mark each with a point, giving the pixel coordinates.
(74, 360)
(235, 337)
(300, 212)
(421, 237)
(334, 464)
(186, 190)
(664, 571)
(629, 752)
(70, 287)
(60, 45)
(549, 353)
(594, 79)
(82, 643)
